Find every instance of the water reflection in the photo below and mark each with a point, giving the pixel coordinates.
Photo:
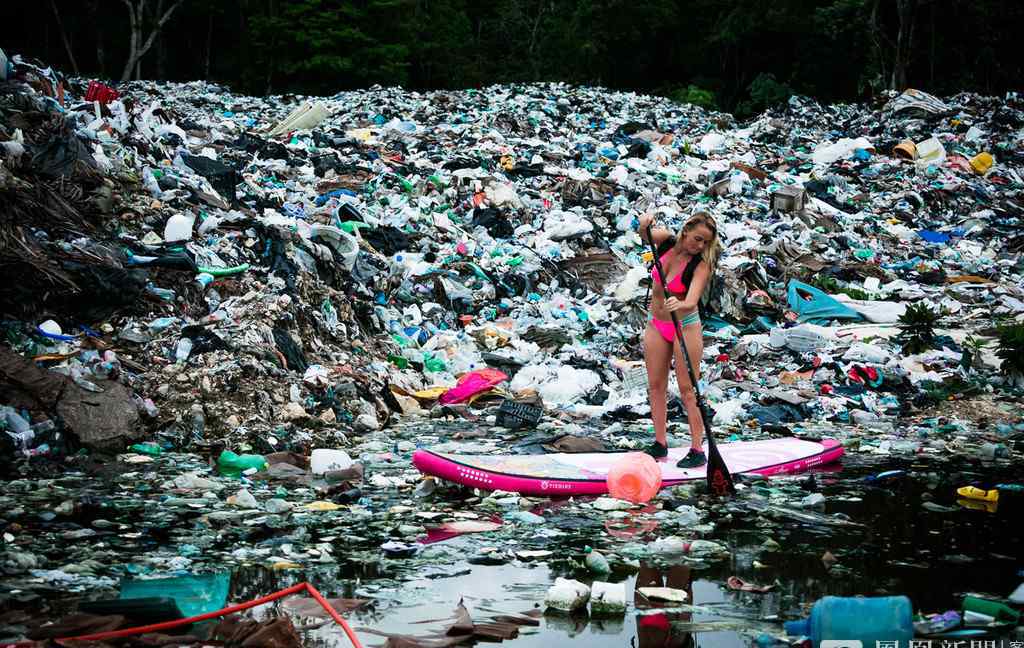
(655, 629)
(911, 536)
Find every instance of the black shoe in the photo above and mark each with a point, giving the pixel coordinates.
(657, 450)
(693, 459)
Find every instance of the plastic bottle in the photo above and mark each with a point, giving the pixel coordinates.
(44, 426)
(80, 380)
(203, 280)
(971, 492)
(991, 451)
(147, 448)
(397, 265)
(1013, 488)
(161, 323)
(635, 478)
(184, 349)
(198, 422)
(992, 609)
(596, 562)
(884, 618)
(17, 427)
(230, 464)
(165, 294)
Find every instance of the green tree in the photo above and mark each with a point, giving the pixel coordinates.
(327, 45)
(441, 44)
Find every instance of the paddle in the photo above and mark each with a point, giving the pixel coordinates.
(719, 479)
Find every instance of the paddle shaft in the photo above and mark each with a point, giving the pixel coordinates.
(724, 482)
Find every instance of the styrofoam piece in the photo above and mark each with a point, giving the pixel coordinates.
(608, 598)
(567, 595)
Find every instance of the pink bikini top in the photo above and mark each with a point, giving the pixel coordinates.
(675, 285)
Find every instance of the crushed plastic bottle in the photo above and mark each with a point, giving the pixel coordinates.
(183, 350)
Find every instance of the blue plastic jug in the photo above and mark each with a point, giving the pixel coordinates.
(867, 620)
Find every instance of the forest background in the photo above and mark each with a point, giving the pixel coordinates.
(739, 56)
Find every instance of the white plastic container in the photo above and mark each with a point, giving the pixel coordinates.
(325, 460)
(343, 243)
(930, 151)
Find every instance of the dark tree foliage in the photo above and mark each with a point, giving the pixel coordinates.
(737, 55)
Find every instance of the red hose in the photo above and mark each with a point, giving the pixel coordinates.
(156, 627)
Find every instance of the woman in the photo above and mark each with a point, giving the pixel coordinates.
(688, 261)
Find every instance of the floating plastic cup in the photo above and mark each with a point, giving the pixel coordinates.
(635, 478)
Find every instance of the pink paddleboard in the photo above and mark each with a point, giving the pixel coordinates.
(587, 473)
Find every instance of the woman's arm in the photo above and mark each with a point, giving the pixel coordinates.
(659, 234)
(694, 291)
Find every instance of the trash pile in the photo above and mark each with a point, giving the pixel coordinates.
(297, 292)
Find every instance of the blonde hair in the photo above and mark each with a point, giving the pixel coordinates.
(713, 250)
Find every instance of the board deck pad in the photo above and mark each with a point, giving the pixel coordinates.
(587, 473)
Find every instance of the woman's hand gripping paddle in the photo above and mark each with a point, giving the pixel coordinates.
(719, 479)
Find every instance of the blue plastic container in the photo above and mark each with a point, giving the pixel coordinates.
(884, 618)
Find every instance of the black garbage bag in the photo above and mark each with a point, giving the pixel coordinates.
(222, 177)
(280, 264)
(291, 351)
(266, 148)
(63, 156)
(624, 133)
(777, 414)
(174, 260)
(102, 290)
(387, 240)
(327, 162)
(458, 163)
(496, 223)
(347, 212)
(638, 149)
(203, 339)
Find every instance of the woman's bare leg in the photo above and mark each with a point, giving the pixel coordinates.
(693, 337)
(658, 357)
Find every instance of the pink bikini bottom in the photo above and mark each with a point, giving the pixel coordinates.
(667, 328)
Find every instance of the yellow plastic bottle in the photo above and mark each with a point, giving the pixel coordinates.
(970, 492)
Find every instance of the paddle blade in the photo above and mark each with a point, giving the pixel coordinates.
(719, 478)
